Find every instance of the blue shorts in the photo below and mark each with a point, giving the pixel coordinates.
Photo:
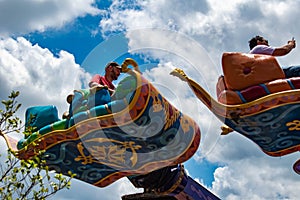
(292, 71)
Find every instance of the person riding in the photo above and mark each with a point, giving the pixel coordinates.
(112, 72)
(259, 45)
(94, 95)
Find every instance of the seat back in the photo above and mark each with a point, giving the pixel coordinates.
(242, 70)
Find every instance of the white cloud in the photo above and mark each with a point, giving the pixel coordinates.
(218, 26)
(41, 77)
(256, 179)
(18, 17)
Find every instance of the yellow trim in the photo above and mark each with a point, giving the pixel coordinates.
(281, 152)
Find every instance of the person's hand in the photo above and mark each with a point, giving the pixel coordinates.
(111, 91)
(292, 43)
(96, 87)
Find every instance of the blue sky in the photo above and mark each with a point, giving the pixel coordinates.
(48, 48)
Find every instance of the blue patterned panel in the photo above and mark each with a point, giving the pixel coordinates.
(273, 130)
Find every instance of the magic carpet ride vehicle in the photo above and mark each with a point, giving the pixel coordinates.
(256, 100)
(135, 133)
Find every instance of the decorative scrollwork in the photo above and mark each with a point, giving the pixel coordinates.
(294, 125)
(107, 151)
(171, 114)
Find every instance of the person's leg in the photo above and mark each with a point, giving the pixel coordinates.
(292, 71)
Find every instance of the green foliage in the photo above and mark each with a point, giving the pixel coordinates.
(8, 121)
(25, 179)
